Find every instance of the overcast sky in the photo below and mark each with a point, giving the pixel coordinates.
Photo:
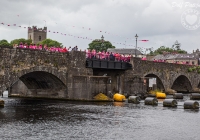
(162, 22)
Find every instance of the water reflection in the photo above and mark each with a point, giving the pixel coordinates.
(50, 119)
(119, 104)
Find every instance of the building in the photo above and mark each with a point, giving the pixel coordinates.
(189, 59)
(37, 34)
(125, 51)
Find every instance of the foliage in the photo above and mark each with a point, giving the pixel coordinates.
(194, 69)
(50, 42)
(100, 45)
(18, 41)
(190, 70)
(165, 50)
(4, 42)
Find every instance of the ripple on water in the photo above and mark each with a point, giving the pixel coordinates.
(40, 119)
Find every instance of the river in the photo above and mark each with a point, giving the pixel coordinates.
(30, 119)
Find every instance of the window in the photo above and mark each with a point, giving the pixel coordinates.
(192, 62)
(39, 38)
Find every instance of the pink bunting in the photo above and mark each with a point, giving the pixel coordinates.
(72, 35)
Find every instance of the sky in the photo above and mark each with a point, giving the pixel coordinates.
(161, 22)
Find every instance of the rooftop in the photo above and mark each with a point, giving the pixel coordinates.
(124, 51)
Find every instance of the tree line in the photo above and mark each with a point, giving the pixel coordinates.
(48, 42)
(97, 44)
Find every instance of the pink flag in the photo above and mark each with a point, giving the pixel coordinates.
(144, 40)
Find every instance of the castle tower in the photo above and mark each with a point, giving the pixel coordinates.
(37, 34)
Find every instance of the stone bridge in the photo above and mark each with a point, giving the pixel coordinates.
(37, 73)
(169, 76)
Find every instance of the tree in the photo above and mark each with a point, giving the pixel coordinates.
(100, 45)
(50, 42)
(18, 41)
(164, 50)
(4, 42)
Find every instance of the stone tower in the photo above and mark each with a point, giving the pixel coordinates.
(37, 34)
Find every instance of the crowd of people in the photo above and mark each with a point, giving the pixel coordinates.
(45, 47)
(90, 54)
(108, 56)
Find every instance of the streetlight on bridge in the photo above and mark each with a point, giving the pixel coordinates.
(102, 40)
(136, 36)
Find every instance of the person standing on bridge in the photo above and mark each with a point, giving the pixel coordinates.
(69, 48)
(88, 54)
(129, 58)
(21, 45)
(76, 48)
(93, 53)
(112, 58)
(107, 55)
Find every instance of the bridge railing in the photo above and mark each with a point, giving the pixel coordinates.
(107, 64)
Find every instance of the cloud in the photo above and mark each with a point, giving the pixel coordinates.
(157, 21)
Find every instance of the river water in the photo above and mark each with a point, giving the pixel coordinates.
(29, 119)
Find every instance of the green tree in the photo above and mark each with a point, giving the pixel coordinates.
(163, 50)
(4, 42)
(50, 42)
(100, 45)
(18, 41)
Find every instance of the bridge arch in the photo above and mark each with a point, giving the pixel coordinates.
(182, 84)
(41, 77)
(41, 80)
(159, 83)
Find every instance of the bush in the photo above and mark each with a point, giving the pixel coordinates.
(190, 70)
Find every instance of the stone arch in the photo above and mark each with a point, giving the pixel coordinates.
(182, 84)
(159, 83)
(60, 77)
(41, 80)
